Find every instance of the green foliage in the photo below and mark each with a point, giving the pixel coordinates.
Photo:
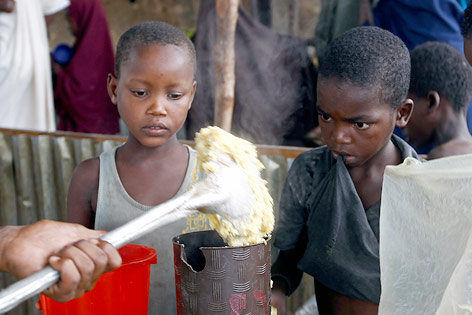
(190, 33)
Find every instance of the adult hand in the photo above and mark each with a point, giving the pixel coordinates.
(80, 260)
(80, 266)
(279, 301)
(7, 6)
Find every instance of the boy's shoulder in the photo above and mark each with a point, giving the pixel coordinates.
(405, 149)
(90, 168)
(314, 157)
(453, 147)
(87, 171)
(312, 163)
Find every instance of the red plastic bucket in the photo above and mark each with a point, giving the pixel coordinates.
(122, 291)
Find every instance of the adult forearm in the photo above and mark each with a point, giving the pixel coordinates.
(7, 233)
(80, 257)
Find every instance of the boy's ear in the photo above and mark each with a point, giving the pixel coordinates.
(194, 89)
(403, 113)
(433, 101)
(112, 83)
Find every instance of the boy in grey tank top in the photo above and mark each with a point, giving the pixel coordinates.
(153, 88)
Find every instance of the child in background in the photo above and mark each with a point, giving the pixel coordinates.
(466, 31)
(154, 87)
(80, 95)
(329, 208)
(441, 88)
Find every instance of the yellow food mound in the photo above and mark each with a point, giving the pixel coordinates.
(211, 142)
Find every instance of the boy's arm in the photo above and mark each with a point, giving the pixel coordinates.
(83, 192)
(290, 236)
(285, 274)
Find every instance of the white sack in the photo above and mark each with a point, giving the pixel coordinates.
(425, 237)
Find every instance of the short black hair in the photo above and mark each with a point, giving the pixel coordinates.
(369, 56)
(439, 67)
(466, 24)
(152, 33)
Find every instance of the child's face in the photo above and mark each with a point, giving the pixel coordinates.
(353, 120)
(420, 129)
(154, 92)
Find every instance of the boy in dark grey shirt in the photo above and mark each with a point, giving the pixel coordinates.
(329, 208)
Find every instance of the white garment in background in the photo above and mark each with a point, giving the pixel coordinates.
(426, 238)
(310, 307)
(26, 99)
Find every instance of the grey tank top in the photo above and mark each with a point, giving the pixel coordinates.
(116, 207)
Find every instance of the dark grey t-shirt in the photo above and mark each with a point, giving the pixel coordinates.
(322, 216)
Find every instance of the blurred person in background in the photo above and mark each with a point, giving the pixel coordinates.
(419, 21)
(441, 89)
(81, 97)
(25, 68)
(466, 30)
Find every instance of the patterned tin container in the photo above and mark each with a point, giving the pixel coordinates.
(212, 278)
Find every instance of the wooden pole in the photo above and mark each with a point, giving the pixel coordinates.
(293, 16)
(226, 19)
